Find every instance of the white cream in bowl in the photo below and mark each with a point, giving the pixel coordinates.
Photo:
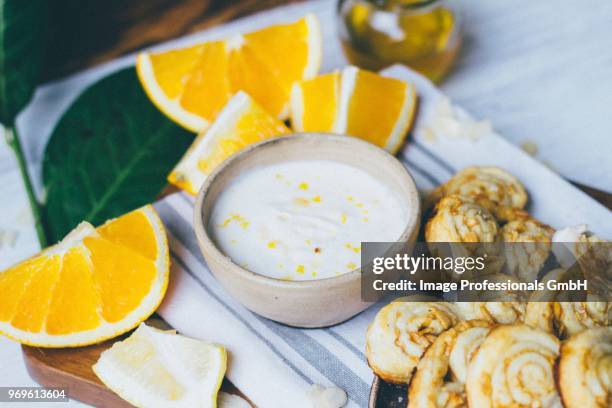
(304, 219)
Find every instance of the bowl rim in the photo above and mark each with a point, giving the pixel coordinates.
(205, 240)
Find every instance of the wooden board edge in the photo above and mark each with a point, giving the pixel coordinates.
(79, 388)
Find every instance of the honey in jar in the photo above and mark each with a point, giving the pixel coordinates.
(422, 34)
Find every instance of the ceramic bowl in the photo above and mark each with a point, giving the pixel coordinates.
(312, 303)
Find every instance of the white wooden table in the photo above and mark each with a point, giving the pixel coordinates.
(542, 72)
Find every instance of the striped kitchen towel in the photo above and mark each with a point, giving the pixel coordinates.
(273, 364)
(276, 365)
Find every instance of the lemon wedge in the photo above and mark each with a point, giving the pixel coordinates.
(156, 368)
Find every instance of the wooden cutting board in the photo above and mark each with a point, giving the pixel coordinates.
(71, 368)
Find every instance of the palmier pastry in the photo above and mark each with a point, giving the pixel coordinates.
(494, 306)
(575, 317)
(439, 380)
(573, 243)
(540, 315)
(491, 187)
(585, 369)
(493, 312)
(550, 311)
(514, 367)
(400, 334)
(527, 245)
(460, 219)
(593, 255)
(539, 312)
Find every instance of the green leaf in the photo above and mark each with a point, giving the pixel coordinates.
(22, 33)
(109, 154)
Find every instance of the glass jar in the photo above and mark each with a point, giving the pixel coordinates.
(422, 34)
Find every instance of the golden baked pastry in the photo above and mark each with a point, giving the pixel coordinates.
(595, 261)
(490, 187)
(585, 369)
(539, 312)
(400, 334)
(529, 246)
(450, 395)
(540, 315)
(439, 380)
(575, 317)
(514, 367)
(548, 311)
(573, 243)
(567, 318)
(594, 256)
(493, 306)
(466, 345)
(460, 219)
(507, 214)
(493, 312)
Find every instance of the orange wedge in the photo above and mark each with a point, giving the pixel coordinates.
(191, 85)
(241, 123)
(93, 285)
(357, 103)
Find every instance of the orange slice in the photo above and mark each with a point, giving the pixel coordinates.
(93, 285)
(315, 103)
(191, 85)
(242, 122)
(357, 103)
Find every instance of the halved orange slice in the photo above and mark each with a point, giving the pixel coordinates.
(93, 285)
(355, 102)
(191, 85)
(242, 122)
